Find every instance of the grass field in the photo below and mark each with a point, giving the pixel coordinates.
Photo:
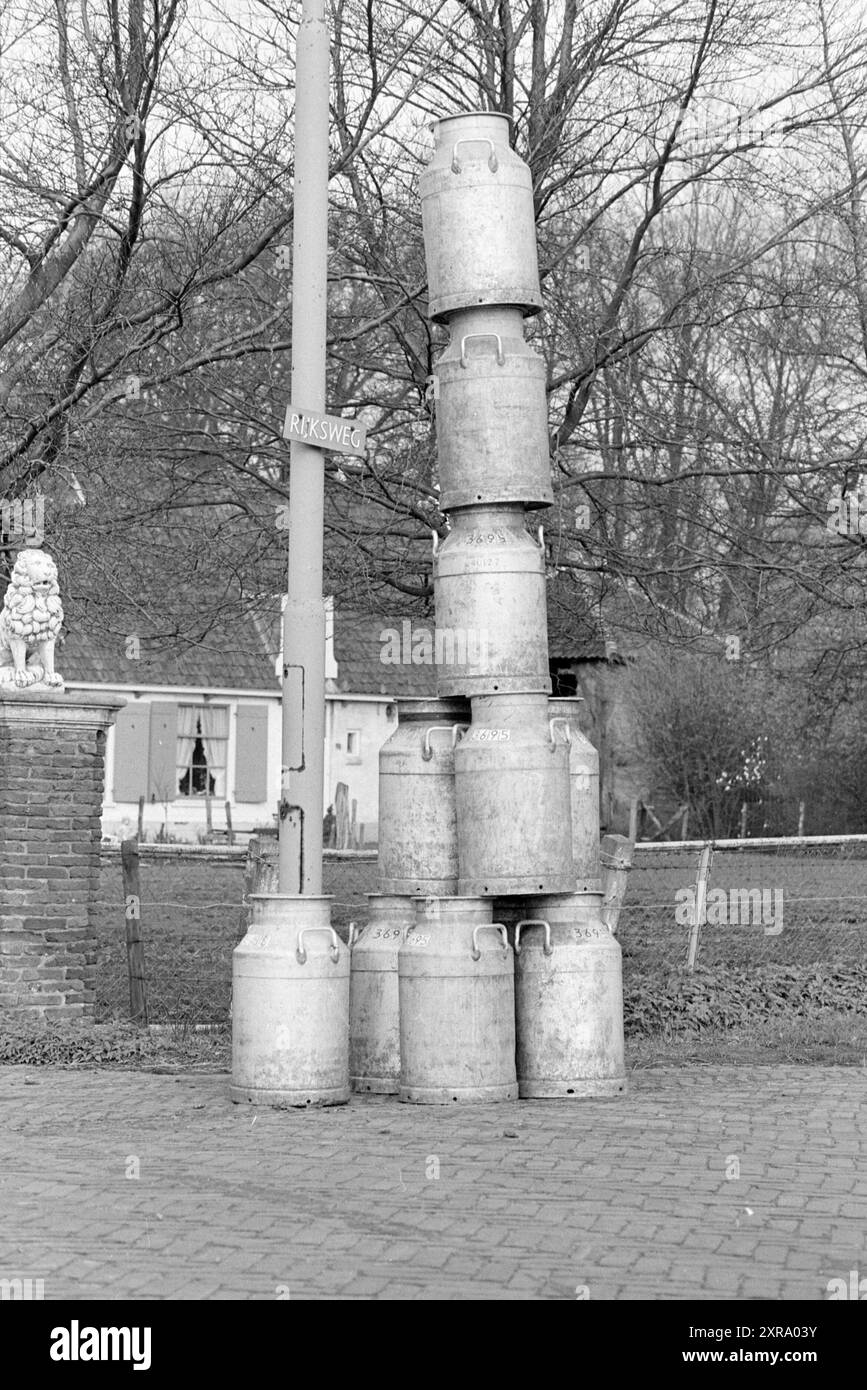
(823, 903)
(801, 992)
(191, 923)
(826, 1039)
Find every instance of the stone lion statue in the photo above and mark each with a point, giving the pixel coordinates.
(30, 622)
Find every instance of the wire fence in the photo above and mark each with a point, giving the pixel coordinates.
(764, 902)
(192, 915)
(800, 903)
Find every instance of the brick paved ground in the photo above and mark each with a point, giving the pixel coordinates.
(629, 1197)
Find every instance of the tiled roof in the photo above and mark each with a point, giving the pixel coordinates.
(361, 641)
(235, 659)
(240, 655)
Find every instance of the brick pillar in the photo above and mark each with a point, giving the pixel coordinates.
(52, 770)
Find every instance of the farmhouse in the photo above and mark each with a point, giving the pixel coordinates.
(202, 724)
(202, 728)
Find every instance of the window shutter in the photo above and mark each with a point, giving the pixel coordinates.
(162, 763)
(131, 736)
(251, 753)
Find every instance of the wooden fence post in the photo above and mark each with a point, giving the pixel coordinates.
(230, 834)
(615, 855)
(141, 806)
(800, 818)
(138, 1004)
(633, 820)
(251, 875)
(341, 812)
(699, 910)
(744, 821)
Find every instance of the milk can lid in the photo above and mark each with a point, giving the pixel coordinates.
(464, 115)
(415, 708)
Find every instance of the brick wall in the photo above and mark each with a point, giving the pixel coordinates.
(52, 766)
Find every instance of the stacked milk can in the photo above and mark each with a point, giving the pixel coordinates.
(485, 970)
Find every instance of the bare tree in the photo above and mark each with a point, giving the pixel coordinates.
(695, 366)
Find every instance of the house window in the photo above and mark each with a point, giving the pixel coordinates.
(564, 682)
(203, 740)
(353, 746)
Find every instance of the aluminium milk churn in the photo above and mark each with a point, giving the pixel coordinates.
(290, 1005)
(418, 848)
(374, 1025)
(478, 218)
(584, 780)
(489, 583)
(457, 1005)
(513, 800)
(492, 414)
(568, 1000)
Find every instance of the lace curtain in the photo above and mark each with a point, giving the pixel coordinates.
(215, 732)
(188, 717)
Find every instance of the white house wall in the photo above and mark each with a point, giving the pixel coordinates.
(373, 719)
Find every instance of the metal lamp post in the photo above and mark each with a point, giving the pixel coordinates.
(303, 761)
(290, 1043)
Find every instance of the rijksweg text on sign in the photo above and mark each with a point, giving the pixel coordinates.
(328, 432)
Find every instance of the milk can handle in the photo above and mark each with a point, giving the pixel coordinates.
(488, 926)
(541, 538)
(501, 361)
(353, 936)
(458, 729)
(435, 535)
(301, 954)
(427, 751)
(560, 719)
(548, 949)
(475, 139)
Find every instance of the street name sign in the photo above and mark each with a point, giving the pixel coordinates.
(329, 432)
